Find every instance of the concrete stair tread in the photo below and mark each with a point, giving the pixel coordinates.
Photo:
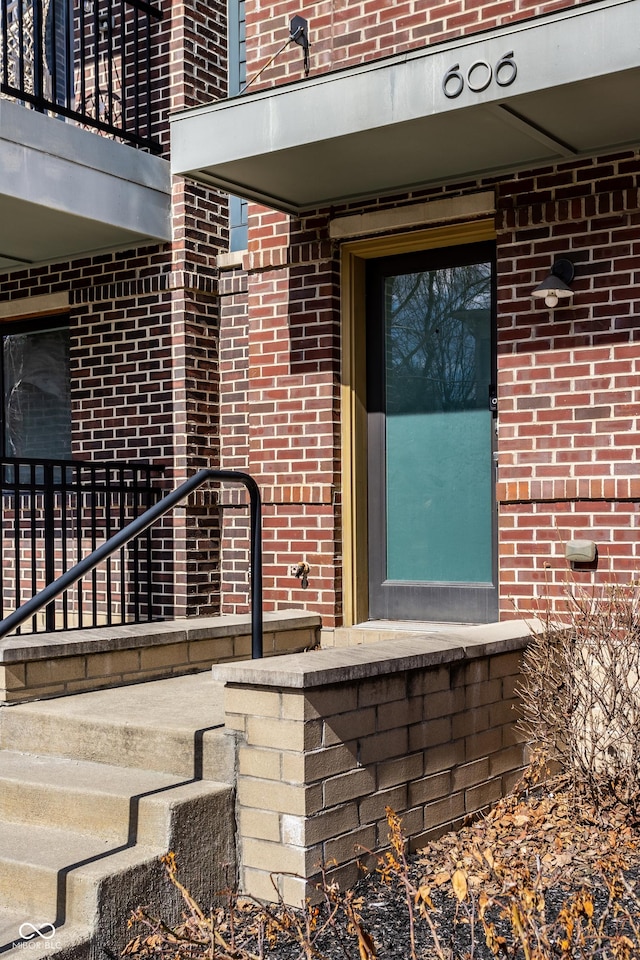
(46, 870)
(39, 863)
(72, 937)
(87, 797)
(175, 726)
(52, 848)
(190, 702)
(94, 788)
(80, 776)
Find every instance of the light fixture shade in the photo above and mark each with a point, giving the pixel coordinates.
(556, 287)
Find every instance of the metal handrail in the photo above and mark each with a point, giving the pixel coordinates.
(139, 525)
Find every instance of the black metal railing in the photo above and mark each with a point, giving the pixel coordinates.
(53, 513)
(90, 61)
(137, 527)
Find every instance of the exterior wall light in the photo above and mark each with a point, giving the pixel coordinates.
(556, 287)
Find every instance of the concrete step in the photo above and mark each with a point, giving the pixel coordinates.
(94, 788)
(83, 881)
(36, 861)
(19, 939)
(170, 726)
(86, 797)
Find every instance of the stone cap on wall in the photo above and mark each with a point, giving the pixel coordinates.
(42, 646)
(335, 665)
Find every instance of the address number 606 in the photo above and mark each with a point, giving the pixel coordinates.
(479, 76)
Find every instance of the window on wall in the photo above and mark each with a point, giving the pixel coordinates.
(237, 79)
(36, 407)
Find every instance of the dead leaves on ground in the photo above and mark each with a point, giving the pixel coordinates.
(496, 872)
(550, 833)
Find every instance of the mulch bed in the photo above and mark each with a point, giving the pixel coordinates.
(551, 874)
(543, 850)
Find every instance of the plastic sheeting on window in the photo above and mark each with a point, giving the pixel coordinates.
(37, 404)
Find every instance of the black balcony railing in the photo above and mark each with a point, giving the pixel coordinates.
(89, 61)
(53, 513)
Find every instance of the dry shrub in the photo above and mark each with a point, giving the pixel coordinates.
(243, 928)
(581, 690)
(507, 916)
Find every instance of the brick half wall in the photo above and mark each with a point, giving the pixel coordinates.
(328, 739)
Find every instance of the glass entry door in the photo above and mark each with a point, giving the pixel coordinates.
(431, 410)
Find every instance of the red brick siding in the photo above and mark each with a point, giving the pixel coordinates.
(562, 411)
(569, 379)
(197, 58)
(234, 362)
(344, 33)
(145, 327)
(144, 370)
(197, 66)
(121, 375)
(195, 390)
(569, 383)
(297, 531)
(234, 437)
(294, 419)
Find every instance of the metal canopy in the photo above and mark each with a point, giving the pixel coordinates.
(571, 87)
(65, 192)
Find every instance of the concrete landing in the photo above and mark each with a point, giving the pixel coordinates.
(375, 631)
(173, 726)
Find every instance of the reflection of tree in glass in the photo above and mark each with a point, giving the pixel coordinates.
(437, 339)
(37, 407)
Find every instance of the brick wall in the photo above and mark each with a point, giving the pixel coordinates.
(145, 324)
(344, 33)
(569, 387)
(567, 393)
(569, 379)
(198, 52)
(197, 68)
(144, 386)
(327, 740)
(293, 291)
(293, 411)
(234, 436)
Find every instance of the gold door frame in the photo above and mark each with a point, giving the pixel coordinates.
(354, 254)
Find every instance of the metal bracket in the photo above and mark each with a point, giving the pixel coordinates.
(301, 572)
(299, 33)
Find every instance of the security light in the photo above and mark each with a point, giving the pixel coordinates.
(556, 287)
